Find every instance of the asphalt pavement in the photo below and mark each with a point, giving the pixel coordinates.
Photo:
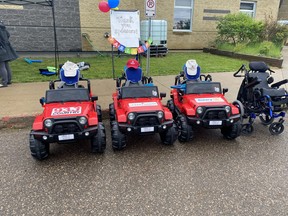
(20, 101)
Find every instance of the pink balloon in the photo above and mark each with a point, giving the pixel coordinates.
(104, 6)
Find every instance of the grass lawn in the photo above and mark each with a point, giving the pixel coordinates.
(101, 66)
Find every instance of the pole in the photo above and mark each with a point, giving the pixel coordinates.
(55, 38)
(148, 50)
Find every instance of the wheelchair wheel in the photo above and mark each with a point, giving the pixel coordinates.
(239, 105)
(276, 128)
(247, 129)
(266, 119)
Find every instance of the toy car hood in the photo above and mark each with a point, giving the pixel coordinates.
(207, 100)
(66, 110)
(140, 105)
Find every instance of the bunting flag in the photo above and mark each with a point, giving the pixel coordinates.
(111, 40)
(130, 50)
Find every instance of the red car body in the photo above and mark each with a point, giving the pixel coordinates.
(69, 115)
(203, 104)
(139, 110)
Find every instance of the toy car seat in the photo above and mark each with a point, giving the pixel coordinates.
(191, 70)
(133, 73)
(69, 75)
(133, 76)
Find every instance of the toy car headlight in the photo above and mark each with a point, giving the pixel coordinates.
(227, 109)
(160, 114)
(131, 116)
(200, 110)
(82, 120)
(48, 123)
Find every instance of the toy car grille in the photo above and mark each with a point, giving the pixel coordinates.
(147, 121)
(215, 115)
(66, 128)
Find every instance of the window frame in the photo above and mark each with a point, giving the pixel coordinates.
(191, 7)
(245, 11)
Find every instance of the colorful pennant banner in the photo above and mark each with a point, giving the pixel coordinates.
(130, 50)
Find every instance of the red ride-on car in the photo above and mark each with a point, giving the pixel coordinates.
(69, 115)
(137, 109)
(199, 102)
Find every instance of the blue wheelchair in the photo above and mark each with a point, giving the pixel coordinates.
(261, 97)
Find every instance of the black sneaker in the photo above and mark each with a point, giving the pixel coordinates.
(2, 86)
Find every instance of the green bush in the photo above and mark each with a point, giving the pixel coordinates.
(264, 47)
(239, 28)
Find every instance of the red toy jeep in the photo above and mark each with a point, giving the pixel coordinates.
(69, 114)
(197, 101)
(137, 109)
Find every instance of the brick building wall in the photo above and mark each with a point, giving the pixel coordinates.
(283, 10)
(31, 26)
(96, 23)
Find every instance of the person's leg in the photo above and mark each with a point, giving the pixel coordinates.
(9, 73)
(3, 74)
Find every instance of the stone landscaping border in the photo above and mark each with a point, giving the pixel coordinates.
(270, 61)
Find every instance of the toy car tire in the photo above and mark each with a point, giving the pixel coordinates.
(118, 138)
(185, 130)
(231, 132)
(98, 142)
(171, 107)
(99, 113)
(112, 112)
(170, 136)
(39, 150)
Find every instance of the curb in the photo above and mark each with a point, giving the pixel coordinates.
(19, 122)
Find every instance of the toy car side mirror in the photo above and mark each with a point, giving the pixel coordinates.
(162, 95)
(225, 90)
(42, 101)
(94, 98)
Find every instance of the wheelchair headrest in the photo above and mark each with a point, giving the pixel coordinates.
(134, 75)
(192, 70)
(258, 66)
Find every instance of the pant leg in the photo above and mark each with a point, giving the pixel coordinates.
(9, 72)
(3, 73)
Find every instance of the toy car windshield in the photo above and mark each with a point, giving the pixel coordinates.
(203, 87)
(139, 92)
(67, 95)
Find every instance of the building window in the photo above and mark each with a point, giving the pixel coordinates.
(183, 11)
(248, 8)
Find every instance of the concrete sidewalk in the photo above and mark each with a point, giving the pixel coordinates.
(20, 101)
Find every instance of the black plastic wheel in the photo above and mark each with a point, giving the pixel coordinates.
(112, 112)
(171, 107)
(184, 129)
(232, 132)
(39, 150)
(98, 142)
(247, 128)
(240, 107)
(266, 119)
(276, 128)
(118, 138)
(99, 113)
(169, 137)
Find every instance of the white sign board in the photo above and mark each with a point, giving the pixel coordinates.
(150, 8)
(125, 27)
